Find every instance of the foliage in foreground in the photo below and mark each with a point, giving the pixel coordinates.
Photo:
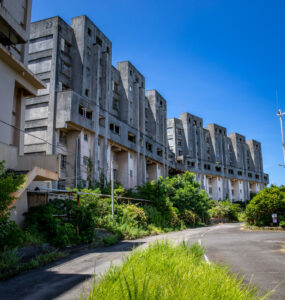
(268, 201)
(164, 271)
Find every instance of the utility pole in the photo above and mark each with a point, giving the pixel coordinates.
(112, 188)
(280, 114)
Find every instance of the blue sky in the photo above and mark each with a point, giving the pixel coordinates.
(221, 60)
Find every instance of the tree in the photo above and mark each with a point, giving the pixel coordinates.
(268, 201)
(9, 183)
(10, 234)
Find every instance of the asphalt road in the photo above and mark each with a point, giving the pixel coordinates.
(255, 255)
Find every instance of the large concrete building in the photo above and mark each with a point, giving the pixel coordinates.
(226, 166)
(16, 83)
(92, 113)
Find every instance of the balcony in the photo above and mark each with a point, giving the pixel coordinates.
(74, 110)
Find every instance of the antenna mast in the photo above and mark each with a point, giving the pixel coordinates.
(280, 114)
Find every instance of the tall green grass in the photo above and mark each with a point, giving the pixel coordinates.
(164, 271)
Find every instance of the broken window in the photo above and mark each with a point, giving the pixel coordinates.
(88, 114)
(159, 152)
(98, 41)
(131, 137)
(148, 146)
(81, 110)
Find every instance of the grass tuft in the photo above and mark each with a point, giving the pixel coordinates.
(164, 271)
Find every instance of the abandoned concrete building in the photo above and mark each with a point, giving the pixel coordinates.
(226, 166)
(93, 114)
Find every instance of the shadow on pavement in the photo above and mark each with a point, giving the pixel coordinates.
(45, 283)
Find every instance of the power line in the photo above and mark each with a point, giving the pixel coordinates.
(43, 140)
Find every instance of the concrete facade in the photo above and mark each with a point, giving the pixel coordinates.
(16, 83)
(227, 166)
(94, 114)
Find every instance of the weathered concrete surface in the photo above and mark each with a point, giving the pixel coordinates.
(257, 255)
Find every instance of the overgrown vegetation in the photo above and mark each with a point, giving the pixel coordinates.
(10, 262)
(10, 235)
(226, 210)
(165, 271)
(271, 200)
(175, 203)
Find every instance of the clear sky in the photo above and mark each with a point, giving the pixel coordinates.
(218, 59)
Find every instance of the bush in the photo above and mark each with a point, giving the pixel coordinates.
(9, 261)
(190, 218)
(268, 201)
(11, 235)
(110, 240)
(165, 271)
(282, 224)
(225, 209)
(134, 216)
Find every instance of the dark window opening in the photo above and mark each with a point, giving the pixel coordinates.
(81, 110)
(148, 146)
(89, 114)
(159, 152)
(98, 41)
(218, 169)
(180, 153)
(207, 167)
(131, 137)
(239, 173)
(256, 176)
(108, 50)
(249, 175)
(86, 92)
(89, 31)
(231, 171)
(86, 137)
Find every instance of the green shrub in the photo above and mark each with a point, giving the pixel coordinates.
(165, 271)
(110, 240)
(282, 224)
(225, 209)
(154, 216)
(11, 235)
(189, 217)
(268, 201)
(134, 216)
(9, 261)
